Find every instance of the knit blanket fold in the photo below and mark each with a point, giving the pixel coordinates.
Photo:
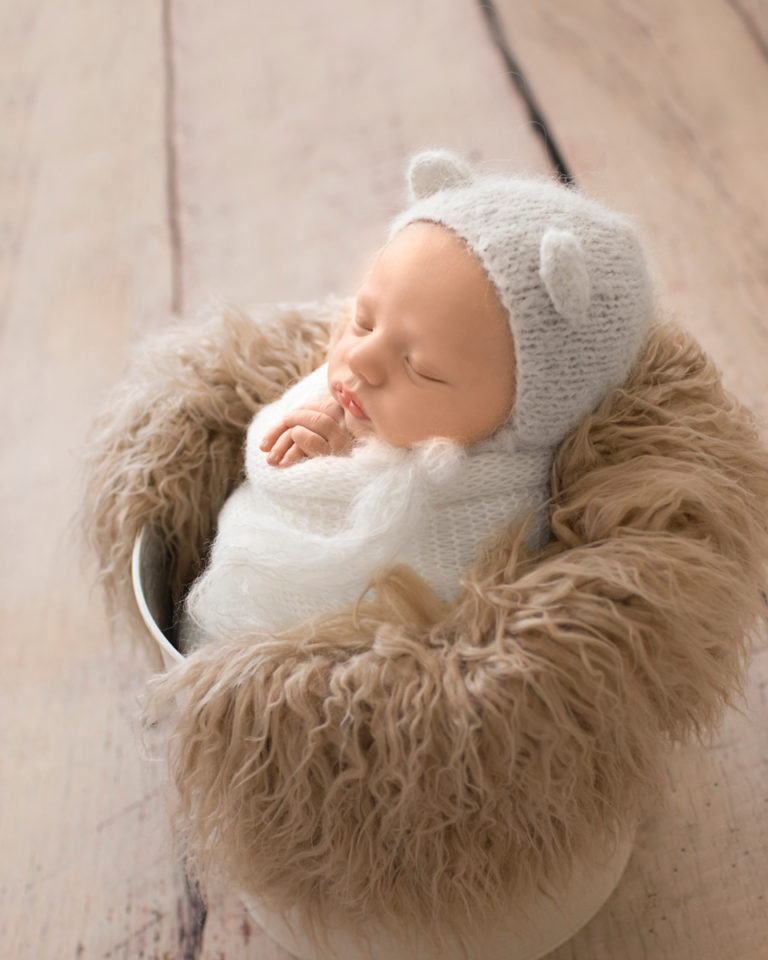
(297, 542)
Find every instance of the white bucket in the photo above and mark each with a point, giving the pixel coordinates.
(546, 922)
(150, 570)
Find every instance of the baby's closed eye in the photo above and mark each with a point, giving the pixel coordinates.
(418, 370)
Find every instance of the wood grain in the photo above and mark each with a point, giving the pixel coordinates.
(151, 153)
(85, 865)
(660, 108)
(754, 13)
(292, 147)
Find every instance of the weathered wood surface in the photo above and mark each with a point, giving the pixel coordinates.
(154, 153)
(84, 862)
(661, 109)
(151, 154)
(291, 146)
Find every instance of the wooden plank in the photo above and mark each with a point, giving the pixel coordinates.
(86, 869)
(276, 154)
(292, 147)
(660, 109)
(755, 16)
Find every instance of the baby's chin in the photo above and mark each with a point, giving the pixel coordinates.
(365, 430)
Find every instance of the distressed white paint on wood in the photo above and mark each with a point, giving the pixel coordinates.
(294, 124)
(231, 933)
(85, 268)
(660, 108)
(755, 15)
(85, 869)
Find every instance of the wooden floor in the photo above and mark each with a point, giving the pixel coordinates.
(154, 153)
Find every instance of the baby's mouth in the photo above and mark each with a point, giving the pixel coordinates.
(350, 402)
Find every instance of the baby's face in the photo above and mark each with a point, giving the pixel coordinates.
(428, 352)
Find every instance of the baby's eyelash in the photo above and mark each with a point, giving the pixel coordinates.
(423, 376)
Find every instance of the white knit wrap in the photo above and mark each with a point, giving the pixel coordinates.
(293, 543)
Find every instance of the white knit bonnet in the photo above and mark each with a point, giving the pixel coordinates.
(570, 274)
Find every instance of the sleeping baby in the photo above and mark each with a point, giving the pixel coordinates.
(498, 315)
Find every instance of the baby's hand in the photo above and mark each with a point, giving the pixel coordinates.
(314, 430)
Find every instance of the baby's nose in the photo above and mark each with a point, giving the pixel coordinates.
(366, 361)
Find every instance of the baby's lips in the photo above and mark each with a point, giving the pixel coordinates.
(349, 401)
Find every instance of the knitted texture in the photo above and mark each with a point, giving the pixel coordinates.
(570, 274)
(293, 544)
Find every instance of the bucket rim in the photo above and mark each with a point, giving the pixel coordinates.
(166, 647)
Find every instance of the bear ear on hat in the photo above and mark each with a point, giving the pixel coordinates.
(563, 271)
(435, 170)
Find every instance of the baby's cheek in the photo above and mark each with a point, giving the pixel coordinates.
(402, 431)
(358, 428)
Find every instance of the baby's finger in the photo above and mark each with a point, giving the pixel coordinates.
(309, 417)
(280, 447)
(294, 455)
(324, 425)
(271, 435)
(310, 443)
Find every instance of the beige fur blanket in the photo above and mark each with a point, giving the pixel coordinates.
(424, 762)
